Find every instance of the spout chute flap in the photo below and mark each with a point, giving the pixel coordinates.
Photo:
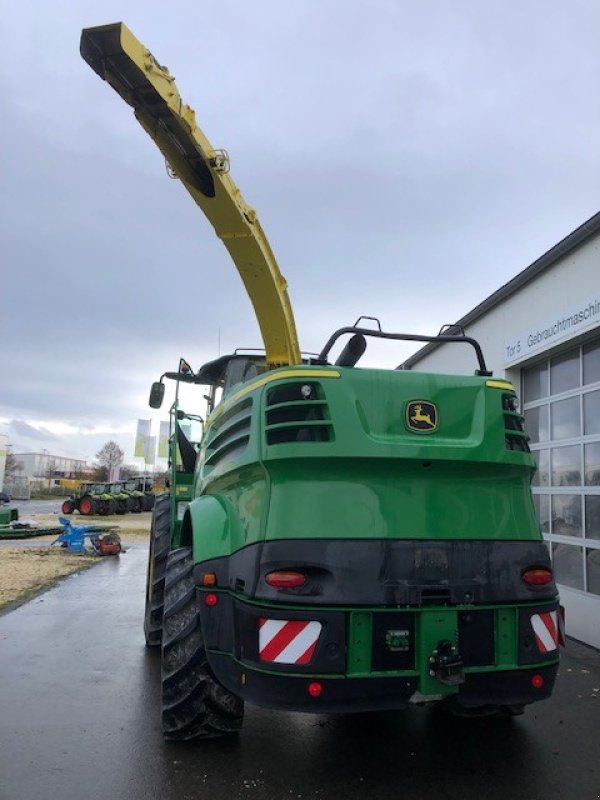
(114, 53)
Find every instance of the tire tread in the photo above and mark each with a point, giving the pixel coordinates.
(195, 705)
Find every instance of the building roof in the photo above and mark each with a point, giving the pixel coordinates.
(549, 259)
(49, 455)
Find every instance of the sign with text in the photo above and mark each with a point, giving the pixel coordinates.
(555, 328)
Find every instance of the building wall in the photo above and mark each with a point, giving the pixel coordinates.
(3, 444)
(571, 282)
(37, 465)
(550, 321)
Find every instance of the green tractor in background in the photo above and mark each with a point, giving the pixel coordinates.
(91, 498)
(141, 496)
(135, 502)
(145, 485)
(119, 497)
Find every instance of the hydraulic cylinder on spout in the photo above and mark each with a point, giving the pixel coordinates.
(119, 58)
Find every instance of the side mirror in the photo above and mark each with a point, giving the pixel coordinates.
(157, 393)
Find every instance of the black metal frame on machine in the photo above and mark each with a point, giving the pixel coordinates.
(442, 337)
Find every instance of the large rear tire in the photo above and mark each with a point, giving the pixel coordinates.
(160, 545)
(87, 506)
(137, 504)
(102, 506)
(195, 705)
(68, 507)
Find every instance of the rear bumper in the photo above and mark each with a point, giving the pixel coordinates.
(376, 658)
(351, 695)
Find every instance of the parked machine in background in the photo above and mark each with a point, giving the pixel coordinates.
(91, 498)
(340, 539)
(118, 497)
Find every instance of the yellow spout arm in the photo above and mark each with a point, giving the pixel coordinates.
(120, 59)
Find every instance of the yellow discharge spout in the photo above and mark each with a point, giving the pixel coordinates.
(114, 53)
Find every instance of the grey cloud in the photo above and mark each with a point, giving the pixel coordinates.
(23, 429)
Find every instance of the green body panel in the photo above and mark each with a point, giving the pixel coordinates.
(234, 512)
(375, 478)
(368, 498)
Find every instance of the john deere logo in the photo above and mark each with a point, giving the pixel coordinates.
(421, 416)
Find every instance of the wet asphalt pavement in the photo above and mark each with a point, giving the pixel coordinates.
(28, 507)
(79, 699)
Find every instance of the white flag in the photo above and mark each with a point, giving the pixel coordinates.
(143, 431)
(163, 440)
(150, 451)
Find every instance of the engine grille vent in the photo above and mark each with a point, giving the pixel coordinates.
(515, 436)
(229, 434)
(297, 412)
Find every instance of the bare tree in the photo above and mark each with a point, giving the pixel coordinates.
(129, 471)
(97, 474)
(110, 456)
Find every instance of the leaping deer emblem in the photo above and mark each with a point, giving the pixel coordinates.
(421, 416)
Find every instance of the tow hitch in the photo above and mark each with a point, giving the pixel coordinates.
(446, 665)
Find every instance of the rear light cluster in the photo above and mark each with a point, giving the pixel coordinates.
(537, 576)
(285, 579)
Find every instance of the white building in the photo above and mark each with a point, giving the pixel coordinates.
(35, 466)
(542, 332)
(3, 451)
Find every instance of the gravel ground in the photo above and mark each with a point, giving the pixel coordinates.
(26, 571)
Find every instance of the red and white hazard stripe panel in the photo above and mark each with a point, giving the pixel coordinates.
(283, 641)
(545, 627)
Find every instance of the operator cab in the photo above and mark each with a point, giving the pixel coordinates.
(226, 372)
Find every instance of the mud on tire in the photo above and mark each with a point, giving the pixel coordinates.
(160, 545)
(195, 705)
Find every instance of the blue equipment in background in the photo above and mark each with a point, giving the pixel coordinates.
(73, 536)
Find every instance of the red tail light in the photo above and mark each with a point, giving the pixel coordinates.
(537, 681)
(315, 689)
(537, 576)
(285, 579)
(211, 599)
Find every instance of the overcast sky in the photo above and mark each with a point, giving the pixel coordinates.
(405, 159)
